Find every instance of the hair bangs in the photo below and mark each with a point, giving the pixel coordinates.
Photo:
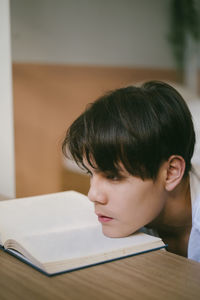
(101, 142)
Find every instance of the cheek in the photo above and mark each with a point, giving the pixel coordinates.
(149, 208)
(140, 207)
(131, 201)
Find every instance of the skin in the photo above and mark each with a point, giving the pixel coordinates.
(126, 203)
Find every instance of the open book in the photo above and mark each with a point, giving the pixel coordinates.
(59, 232)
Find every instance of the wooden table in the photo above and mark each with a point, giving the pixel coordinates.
(155, 275)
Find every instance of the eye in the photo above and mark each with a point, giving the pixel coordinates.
(113, 177)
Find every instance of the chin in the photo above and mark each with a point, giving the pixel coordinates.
(113, 233)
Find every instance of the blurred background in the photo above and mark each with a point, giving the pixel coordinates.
(66, 53)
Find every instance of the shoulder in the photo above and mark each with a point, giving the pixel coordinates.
(195, 194)
(194, 240)
(195, 183)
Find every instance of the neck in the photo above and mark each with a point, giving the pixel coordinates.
(175, 220)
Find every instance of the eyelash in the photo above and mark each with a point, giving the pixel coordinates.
(113, 177)
(110, 177)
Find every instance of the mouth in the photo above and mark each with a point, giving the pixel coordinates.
(103, 218)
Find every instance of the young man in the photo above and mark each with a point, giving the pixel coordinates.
(137, 143)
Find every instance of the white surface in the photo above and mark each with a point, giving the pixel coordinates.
(7, 167)
(58, 226)
(79, 243)
(45, 213)
(193, 102)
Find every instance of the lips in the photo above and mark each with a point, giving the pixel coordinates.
(103, 218)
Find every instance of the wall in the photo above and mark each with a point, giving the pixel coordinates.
(106, 32)
(67, 53)
(7, 168)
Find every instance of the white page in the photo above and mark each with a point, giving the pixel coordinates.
(45, 213)
(78, 243)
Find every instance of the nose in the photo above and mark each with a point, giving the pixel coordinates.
(96, 192)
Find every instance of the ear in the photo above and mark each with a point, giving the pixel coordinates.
(175, 172)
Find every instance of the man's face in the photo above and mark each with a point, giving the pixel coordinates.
(126, 203)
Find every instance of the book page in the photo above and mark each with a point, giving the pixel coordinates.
(81, 242)
(46, 213)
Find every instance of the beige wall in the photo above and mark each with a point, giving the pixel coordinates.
(47, 98)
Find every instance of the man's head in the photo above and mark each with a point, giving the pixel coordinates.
(137, 127)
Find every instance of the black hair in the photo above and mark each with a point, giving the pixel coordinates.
(138, 127)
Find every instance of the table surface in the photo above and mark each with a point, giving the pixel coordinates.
(154, 275)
